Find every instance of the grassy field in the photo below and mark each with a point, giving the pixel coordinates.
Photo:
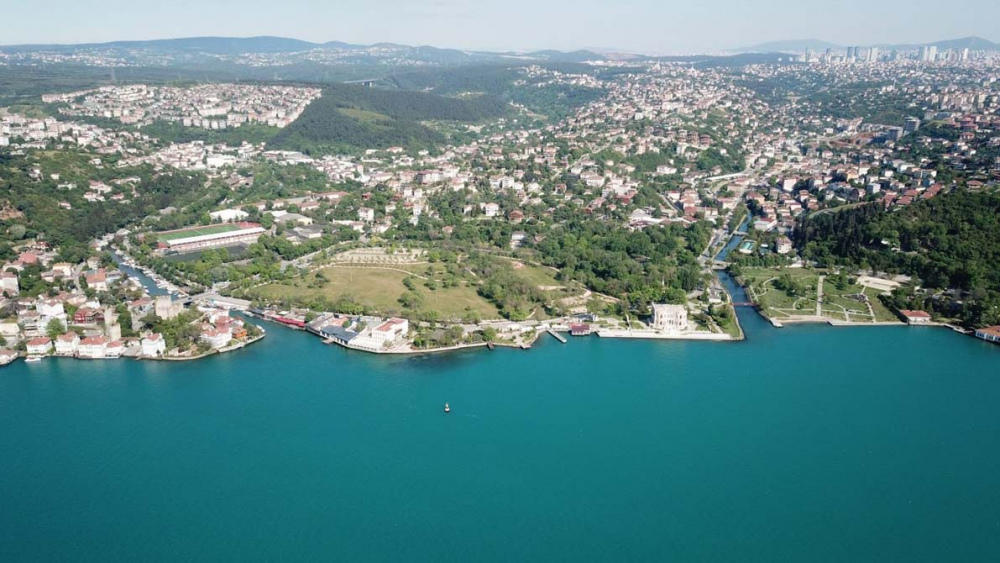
(838, 304)
(777, 303)
(381, 289)
(197, 232)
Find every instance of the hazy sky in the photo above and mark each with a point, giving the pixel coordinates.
(651, 26)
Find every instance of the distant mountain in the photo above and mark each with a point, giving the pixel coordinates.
(212, 45)
(817, 45)
(970, 43)
(561, 57)
(240, 45)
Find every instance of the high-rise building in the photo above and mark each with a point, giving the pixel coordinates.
(910, 125)
(873, 55)
(932, 53)
(965, 54)
(851, 53)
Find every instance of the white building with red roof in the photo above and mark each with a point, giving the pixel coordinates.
(93, 348)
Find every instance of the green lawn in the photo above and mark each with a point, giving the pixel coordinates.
(381, 289)
(776, 302)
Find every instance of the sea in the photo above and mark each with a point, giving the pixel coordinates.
(807, 443)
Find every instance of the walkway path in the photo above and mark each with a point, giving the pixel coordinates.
(819, 297)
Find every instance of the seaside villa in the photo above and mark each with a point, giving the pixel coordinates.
(670, 318)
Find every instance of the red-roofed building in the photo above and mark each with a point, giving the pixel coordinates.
(989, 334)
(391, 330)
(915, 317)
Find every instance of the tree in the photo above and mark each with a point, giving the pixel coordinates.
(55, 329)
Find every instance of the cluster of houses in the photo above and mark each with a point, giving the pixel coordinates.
(210, 106)
(78, 316)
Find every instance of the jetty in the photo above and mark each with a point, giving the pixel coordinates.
(556, 335)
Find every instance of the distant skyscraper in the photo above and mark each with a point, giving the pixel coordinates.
(850, 53)
(873, 55)
(965, 54)
(932, 53)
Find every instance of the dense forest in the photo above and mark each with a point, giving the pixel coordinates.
(505, 83)
(349, 117)
(951, 241)
(31, 207)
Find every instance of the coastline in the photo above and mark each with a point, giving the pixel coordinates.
(224, 350)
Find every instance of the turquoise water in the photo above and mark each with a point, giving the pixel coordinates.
(800, 444)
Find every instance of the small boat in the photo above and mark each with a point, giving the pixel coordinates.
(447, 408)
(33, 359)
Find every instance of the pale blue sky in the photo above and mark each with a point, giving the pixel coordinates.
(651, 26)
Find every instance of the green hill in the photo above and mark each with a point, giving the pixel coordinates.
(349, 117)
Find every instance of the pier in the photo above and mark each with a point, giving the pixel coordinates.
(556, 335)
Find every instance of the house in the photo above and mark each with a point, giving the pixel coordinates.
(989, 334)
(579, 329)
(98, 281)
(391, 330)
(915, 317)
(50, 309)
(783, 245)
(93, 348)
(87, 316)
(39, 346)
(67, 344)
(115, 349)
(9, 284)
(153, 345)
(216, 338)
(671, 318)
(366, 214)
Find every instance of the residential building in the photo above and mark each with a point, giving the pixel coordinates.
(93, 348)
(40, 346)
(67, 344)
(153, 345)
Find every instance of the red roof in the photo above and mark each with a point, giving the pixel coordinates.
(915, 314)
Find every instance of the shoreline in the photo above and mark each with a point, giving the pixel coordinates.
(220, 351)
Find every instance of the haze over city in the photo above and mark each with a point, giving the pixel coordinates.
(647, 26)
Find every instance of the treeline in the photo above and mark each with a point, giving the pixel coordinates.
(34, 205)
(328, 124)
(504, 83)
(951, 241)
(640, 267)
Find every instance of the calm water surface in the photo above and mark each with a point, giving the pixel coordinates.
(800, 444)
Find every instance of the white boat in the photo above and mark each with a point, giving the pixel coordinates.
(447, 408)
(32, 359)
